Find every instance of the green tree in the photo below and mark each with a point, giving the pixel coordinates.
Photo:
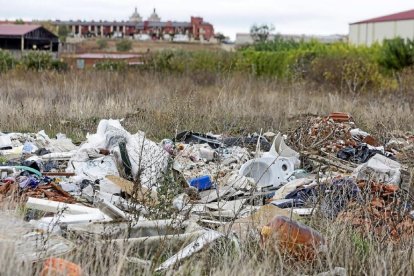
(124, 45)
(260, 33)
(397, 54)
(19, 21)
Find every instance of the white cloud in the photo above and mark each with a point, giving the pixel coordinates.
(228, 16)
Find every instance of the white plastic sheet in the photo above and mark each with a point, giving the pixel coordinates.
(379, 168)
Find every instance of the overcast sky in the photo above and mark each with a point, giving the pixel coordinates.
(321, 17)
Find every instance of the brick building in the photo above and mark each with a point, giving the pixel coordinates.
(153, 27)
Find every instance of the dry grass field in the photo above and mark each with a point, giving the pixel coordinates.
(160, 105)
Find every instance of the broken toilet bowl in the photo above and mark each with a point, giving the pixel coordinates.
(268, 171)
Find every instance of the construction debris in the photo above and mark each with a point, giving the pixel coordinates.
(383, 213)
(116, 186)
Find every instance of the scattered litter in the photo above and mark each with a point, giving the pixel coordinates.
(113, 186)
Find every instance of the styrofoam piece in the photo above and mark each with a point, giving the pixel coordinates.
(56, 207)
(268, 171)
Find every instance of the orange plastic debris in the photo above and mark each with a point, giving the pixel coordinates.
(291, 237)
(57, 266)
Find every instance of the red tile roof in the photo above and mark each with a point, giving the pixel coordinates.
(406, 15)
(16, 29)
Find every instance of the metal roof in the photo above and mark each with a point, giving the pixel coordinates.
(406, 15)
(16, 29)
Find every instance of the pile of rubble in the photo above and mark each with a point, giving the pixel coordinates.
(219, 185)
(381, 211)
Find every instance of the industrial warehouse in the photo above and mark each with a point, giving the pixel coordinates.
(152, 28)
(370, 31)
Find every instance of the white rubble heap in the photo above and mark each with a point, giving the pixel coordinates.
(113, 161)
(145, 156)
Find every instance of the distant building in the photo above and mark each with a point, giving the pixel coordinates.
(135, 17)
(377, 29)
(196, 28)
(154, 17)
(246, 38)
(22, 37)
